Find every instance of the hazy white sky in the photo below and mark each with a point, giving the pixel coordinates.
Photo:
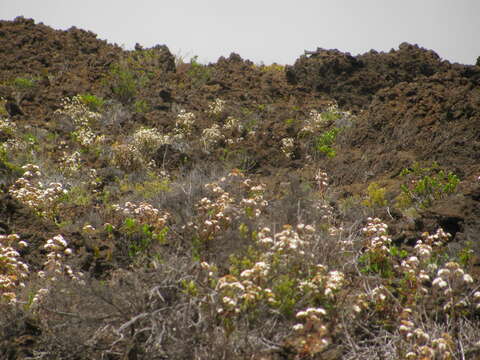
(267, 30)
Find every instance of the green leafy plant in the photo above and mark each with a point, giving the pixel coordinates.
(124, 81)
(375, 196)
(199, 74)
(324, 143)
(23, 83)
(94, 103)
(141, 106)
(422, 186)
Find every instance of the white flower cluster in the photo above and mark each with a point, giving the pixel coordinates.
(421, 345)
(82, 118)
(147, 141)
(452, 281)
(318, 120)
(313, 328)
(58, 251)
(12, 270)
(215, 215)
(184, 123)
(288, 243)
(144, 213)
(31, 192)
(254, 203)
(211, 136)
(377, 240)
(321, 178)
(216, 107)
(324, 283)
(128, 157)
(287, 147)
(313, 122)
(232, 124)
(55, 266)
(236, 295)
(71, 163)
(7, 127)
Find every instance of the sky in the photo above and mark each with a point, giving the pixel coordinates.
(267, 31)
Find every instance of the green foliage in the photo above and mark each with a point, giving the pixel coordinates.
(123, 83)
(125, 80)
(325, 141)
(141, 106)
(286, 294)
(94, 103)
(142, 236)
(189, 287)
(422, 186)
(148, 188)
(330, 115)
(272, 68)
(79, 196)
(375, 196)
(23, 83)
(466, 255)
(377, 264)
(199, 74)
(3, 110)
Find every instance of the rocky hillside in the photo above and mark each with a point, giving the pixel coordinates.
(153, 207)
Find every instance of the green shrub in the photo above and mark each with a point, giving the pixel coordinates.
(94, 103)
(325, 141)
(125, 80)
(422, 186)
(22, 83)
(375, 196)
(199, 74)
(141, 106)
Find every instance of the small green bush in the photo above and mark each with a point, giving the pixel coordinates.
(199, 74)
(23, 83)
(325, 141)
(94, 103)
(375, 196)
(422, 186)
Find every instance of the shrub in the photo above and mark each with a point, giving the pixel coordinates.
(94, 103)
(375, 196)
(124, 81)
(422, 186)
(198, 74)
(324, 142)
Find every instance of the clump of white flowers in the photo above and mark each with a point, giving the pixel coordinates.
(287, 147)
(321, 179)
(7, 127)
(377, 239)
(211, 136)
(71, 163)
(144, 213)
(30, 191)
(83, 119)
(325, 283)
(216, 107)
(55, 267)
(313, 333)
(217, 212)
(13, 271)
(313, 122)
(184, 124)
(137, 153)
(147, 141)
(57, 253)
(318, 120)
